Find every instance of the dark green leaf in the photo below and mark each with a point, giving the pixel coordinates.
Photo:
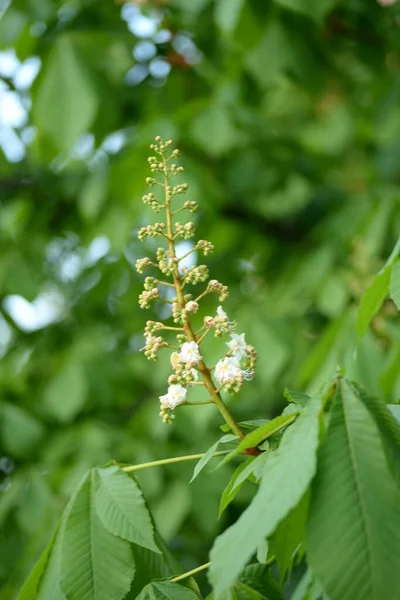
(95, 565)
(355, 556)
(231, 490)
(166, 590)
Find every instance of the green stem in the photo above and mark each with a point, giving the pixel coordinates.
(192, 572)
(169, 461)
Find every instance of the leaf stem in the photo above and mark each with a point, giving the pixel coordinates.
(168, 461)
(192, 572)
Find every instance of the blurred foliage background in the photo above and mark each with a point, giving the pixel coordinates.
(287, 114)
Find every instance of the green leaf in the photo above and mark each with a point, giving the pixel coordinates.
(21, 432)
(95, 565)
(353, 533)
(50, 582)
(231, 490)
(66, 102)
(29, 590)
(262, 433)
(288, 536)
(395, 410)
(166, 590)
(276, 43)
(287, 475)
(151, 565)
(66, 393)
(246, 424)
(372, 299)
(227, 14)
(296, 397)
(122, 510)
(395, 284)
(315, 9)
(209, 454)
(388, 426)
(260, 578)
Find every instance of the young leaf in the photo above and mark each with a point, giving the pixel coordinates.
(372, 299)
(296, 397)
(166, 590)
(95, 565)
(262, 433)
(353, 533)
(287, 475)
(395, 284)
(209, 454)
(246, 424)
(122, 510)
(231, 490)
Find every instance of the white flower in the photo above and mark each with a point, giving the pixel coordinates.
(190, 353)
(175, 360)
(227, 369)
(192, 307)
(237, 345)
(176, 395)
(221, 312)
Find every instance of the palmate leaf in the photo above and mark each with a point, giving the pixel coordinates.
(287, 475)
(95, 565)
(353, 533)
(229, 493)
(372, 299)
(120, 505)
(167, 590)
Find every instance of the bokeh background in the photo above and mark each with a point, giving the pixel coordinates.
(287, 114)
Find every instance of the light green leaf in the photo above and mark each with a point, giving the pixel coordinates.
(50, 582)
(120, 505)
(209, 454)
(66, 393)
(227, 15)
(166, 590)
(66, 102)
(395, 410)
(231, 490)
(246, 424)
(253, 470)
(395, 284)
(93, 194)
(296, 397)
(372, 299)
(262, 433)
(262, 552)
(20, 431)
(29, 590)
(95, 565)
(353, 533)
(287, 475)
(276, 43)
(315, 9)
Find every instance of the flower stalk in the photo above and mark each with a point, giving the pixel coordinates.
(189, 364)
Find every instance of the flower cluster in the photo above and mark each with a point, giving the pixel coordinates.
(188, 364)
